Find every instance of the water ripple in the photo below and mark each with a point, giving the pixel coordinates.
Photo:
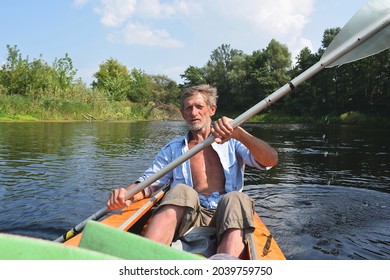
(329, 197)
(332, 220)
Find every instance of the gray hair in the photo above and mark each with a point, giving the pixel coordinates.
(208, 92)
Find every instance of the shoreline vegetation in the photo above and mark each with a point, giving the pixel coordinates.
(21, 108)
(357, 93)
(15, 108)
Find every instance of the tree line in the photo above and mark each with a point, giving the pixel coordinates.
(245, 79)
(20, 76)
(241, 79)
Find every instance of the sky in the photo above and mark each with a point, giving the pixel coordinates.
(162, 37)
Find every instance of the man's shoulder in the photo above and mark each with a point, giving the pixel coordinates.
(178, 141)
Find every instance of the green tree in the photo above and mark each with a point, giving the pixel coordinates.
(364, 85)
(278, 61)
(216, 73)
(193, 76)
(257, 77)
(20, 76)
(263, 72)
(302, 100)
(42, 78)
(237, 80)
(379, 99)
(328, 37)
(14, 72)
(114, 79)
(164, 89)
(64, 72)
(319, 94)
(139, 89)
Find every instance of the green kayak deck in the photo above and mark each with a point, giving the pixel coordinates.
(99, 242)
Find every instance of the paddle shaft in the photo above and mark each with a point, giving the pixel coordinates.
(326, 60)
(152, 201)
(79, 228)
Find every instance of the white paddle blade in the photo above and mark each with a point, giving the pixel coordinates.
(371, 24)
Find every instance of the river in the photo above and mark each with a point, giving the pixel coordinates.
(329, 197)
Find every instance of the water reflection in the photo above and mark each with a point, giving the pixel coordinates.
(345, 156)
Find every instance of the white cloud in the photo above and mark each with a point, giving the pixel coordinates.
(279, 16)
(251, 22)
(115, 12)
(139, 34)
(155, 9)
(283, 20)
(132, 21)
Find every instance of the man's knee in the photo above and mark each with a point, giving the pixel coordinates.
(236, 198)
(235, 211)
(181, 195)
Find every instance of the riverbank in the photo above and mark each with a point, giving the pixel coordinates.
(349, 118)
(98, 108)
(91, 108)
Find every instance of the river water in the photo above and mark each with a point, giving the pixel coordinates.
(329, 197)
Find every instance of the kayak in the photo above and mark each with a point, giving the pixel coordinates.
(119, 235)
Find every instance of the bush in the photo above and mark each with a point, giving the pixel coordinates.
(353, 117)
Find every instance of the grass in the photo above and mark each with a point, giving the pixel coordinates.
(79, 106)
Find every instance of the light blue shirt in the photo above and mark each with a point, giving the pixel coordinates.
(232, 154)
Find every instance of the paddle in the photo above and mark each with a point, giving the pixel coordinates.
(367, 33)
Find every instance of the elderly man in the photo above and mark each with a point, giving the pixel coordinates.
(207, 189)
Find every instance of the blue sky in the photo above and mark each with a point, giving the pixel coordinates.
(162, 36)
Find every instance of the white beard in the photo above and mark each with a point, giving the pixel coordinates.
(198, 126)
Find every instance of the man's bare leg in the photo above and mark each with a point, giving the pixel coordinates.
(162, 226)
(232, 243)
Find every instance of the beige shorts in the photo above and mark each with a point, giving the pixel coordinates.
(235, 210)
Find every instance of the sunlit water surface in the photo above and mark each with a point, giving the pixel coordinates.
(329, 197)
